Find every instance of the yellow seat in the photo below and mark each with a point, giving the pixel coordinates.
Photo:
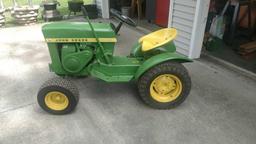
(157, 38)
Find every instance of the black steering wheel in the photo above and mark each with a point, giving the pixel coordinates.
(117, 14)
(123, 19)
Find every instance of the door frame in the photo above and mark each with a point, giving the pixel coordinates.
(105, 8)
(103, 5)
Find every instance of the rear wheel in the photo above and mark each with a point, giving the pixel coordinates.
(58, 96)
(165, 86)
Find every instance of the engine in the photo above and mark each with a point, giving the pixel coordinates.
(75, 57)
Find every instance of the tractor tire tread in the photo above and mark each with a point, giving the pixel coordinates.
(146, 79)
(63, 85)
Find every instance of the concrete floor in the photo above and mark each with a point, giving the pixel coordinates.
(228, 54)
(219, 110)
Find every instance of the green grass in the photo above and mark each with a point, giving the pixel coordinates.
(63, 8)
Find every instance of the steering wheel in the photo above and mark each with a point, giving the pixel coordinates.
(123, 19)
(117, 14)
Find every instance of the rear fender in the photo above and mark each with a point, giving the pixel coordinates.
(157, 59)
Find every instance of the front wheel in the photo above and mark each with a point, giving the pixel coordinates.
(165, 86)
(58, 96)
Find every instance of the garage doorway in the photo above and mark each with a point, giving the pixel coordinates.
(231, 32)
(149, 14)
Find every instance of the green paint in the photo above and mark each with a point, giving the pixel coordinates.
(56, 65)
(75, 59)
(121, 69)
(157, 59)
(136, 50)
(77, 30)
(95, 58)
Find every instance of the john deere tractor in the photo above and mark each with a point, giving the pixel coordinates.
(86, 49)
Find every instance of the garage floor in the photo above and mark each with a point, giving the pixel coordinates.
(220, 108)
(228, 54)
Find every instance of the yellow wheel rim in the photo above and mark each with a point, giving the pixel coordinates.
(56, 101)
(166, 88)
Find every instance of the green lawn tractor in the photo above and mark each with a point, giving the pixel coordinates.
(86, 49)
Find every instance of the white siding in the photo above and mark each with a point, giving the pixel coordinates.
(201, 15)
(189, 18)
(182, 15)
(103, 8)
(99, 6)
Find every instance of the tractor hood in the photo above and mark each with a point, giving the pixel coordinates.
(78, 32)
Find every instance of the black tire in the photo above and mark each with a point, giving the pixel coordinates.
(147, 78)
(60, 85)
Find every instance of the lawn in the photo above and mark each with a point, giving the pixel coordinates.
(63, 8)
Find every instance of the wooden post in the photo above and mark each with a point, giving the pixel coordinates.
(250, 15)
(14, 3)
(30, 3)
(2, 17)
(137, 3)
(139, 8)
(1, 4)
(133, 6)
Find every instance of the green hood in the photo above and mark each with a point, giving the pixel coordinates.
(77, 30)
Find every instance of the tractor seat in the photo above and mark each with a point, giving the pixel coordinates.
(157, 38)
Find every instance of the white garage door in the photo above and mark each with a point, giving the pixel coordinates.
(189, 18)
